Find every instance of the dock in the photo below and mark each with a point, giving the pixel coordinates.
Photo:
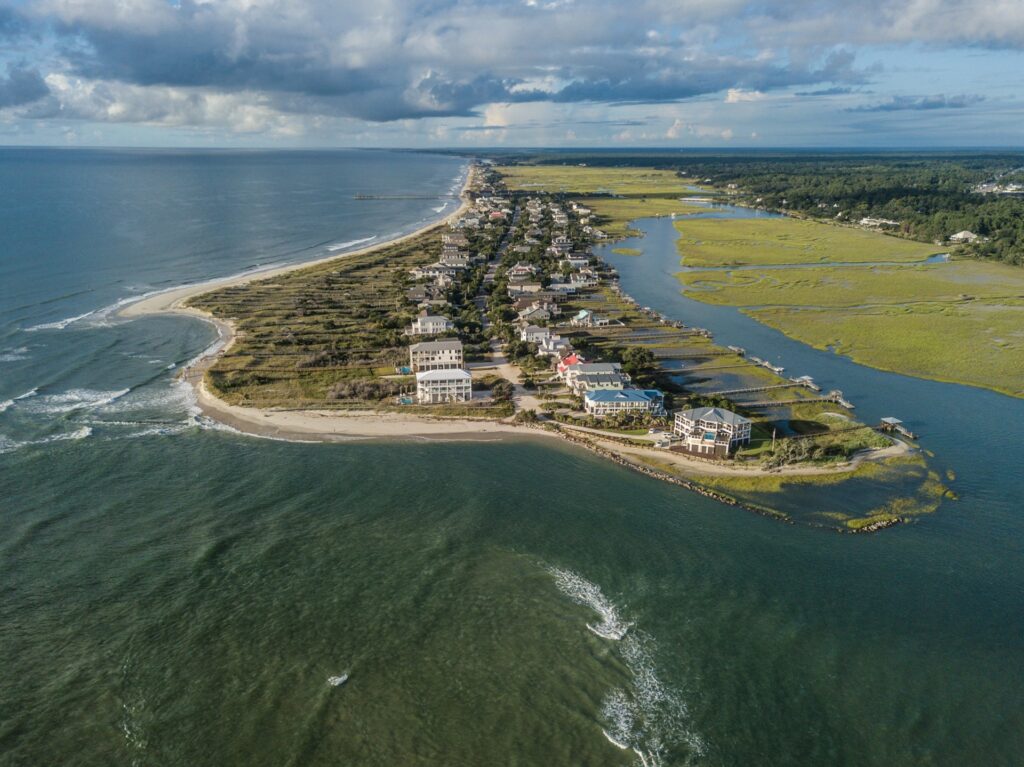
(890, 424)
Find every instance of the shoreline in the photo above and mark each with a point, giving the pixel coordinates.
(336, 426)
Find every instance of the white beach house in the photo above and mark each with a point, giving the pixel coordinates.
(430, 324)
(440, 386)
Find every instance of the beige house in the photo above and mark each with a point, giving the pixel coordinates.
(440, 386)
(445, 354)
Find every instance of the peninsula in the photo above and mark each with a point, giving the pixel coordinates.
(500, 321)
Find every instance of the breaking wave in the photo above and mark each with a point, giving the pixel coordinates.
(57, 325)
(350, 243)
(9, 402)
(72, 400)
(649, 717)
(14, 355)
(9, 446)
(583, 592)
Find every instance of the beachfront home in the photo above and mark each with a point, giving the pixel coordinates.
(457, 239)
(445, 354)
(711, 431)
(554, 346)
(456, 259)
(532, 334)
(430, 324)
(617, 401)
(440, 386)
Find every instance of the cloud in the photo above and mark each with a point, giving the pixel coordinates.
(680, 129)
(921, 103)
(833, 91)
(21, 86)
(738, 95)
(386, 60)
(395, 60)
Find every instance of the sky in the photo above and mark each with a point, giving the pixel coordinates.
(515, 73)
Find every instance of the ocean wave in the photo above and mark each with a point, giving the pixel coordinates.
(350, 243)
(8, 445)
(649, 718)
(583, 592)
(14, 355)
(10, 402)
(58, 324)
(74, 399)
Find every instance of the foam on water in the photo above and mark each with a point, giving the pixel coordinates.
(57, 325)
(10, 402)
(74, 399)
(8, 445)
(583, 592)
(650, 718)
(14, 355)
(350, 243)
(337, 681)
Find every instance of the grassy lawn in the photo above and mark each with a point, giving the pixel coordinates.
(728, 242)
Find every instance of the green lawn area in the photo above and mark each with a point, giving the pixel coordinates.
(727, 242)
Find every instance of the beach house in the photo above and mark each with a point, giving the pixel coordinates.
(711, 431)
(440, 386)
(445, 354)
(430, 324)
(605, 402)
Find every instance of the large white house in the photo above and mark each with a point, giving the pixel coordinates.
(445, 354)
(615, 401)
(429, 325)
(711, 430)
(439, 386)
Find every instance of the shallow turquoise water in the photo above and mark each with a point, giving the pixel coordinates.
(174, 594)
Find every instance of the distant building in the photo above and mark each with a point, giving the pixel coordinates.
(440, 386)
(445, 354)
(711, 430)
(430, 324)
(616, 401)
(963, 237)
(532, 334)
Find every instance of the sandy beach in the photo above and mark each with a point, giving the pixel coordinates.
(313, 425)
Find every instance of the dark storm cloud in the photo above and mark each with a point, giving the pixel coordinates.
(21, 86)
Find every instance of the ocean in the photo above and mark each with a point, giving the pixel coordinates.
(175, 593)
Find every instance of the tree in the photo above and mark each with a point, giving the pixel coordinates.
(637, 360)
